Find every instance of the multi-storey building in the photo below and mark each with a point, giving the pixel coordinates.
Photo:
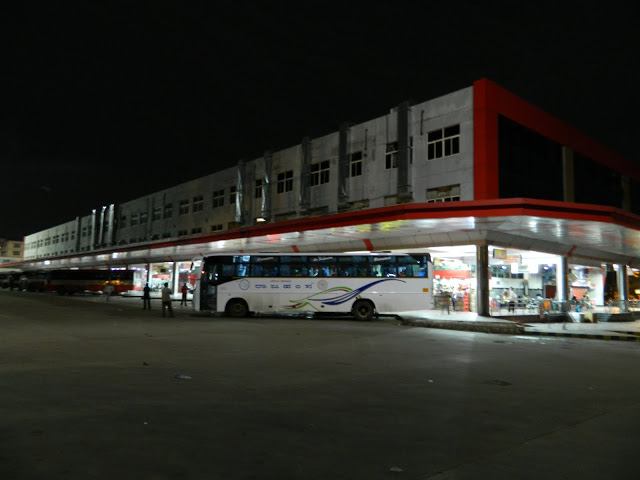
(10, 250)
(483, 156)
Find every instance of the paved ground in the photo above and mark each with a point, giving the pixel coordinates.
(90, 389)
(620, 331)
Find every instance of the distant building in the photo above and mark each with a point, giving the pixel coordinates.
(10, 250)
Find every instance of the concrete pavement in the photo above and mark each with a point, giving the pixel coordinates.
(468, 321)
(462, 321)
(90, 389)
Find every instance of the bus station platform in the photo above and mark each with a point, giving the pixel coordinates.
(612, 329)
(472, 322)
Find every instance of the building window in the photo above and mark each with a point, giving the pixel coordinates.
(258, 191)
(182, 233)
(143, 217)
(319, 173)
(168, 210)
(443, 142)
(285, 181)
(218, 198)
(123, 220)
(232, 195)
(198, 203)
(166, 235)
(134, 220)
(157, 214)
(450, 193)
(196, 230)
(391, 156)
(216, 228)
(184, 207)
(356, 164)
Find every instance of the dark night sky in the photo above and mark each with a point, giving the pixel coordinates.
(107, 101)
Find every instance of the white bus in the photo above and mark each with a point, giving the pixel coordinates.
(360, 284)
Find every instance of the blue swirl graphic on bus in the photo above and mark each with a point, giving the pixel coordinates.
(336, 295)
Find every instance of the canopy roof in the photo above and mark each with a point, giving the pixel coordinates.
(590, 232)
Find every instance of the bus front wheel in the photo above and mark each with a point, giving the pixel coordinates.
(237, 308)
(363, 310)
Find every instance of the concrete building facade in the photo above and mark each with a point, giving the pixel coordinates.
(477, 153)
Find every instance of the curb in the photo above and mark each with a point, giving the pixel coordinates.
(483, 327)
(514, 329)
(625, 336)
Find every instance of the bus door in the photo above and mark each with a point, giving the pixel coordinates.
(213, 275)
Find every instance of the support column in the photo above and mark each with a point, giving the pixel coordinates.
(403, 186)
(623, 288)
(343, 167)
(148, 277)
(175, 277)
(482, 280)
(610, 284)
(305, 176)
(562, 280)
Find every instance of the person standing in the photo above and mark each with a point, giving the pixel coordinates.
(460, 299)
(108, 290)
(185, 290)
(511, 298)
(166, 300)
(146, 297)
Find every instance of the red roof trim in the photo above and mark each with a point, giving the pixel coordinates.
(485, 144)
(493, 100)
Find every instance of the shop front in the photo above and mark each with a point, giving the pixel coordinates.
(520, 281)
(454, 278)
(159, 274)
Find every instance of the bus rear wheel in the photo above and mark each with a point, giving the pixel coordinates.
(237, 308)
(363, 310)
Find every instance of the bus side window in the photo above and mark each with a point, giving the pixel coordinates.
(408, 271)
(227, 271)
(256, 271)
(270, 271)
(346, 271)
